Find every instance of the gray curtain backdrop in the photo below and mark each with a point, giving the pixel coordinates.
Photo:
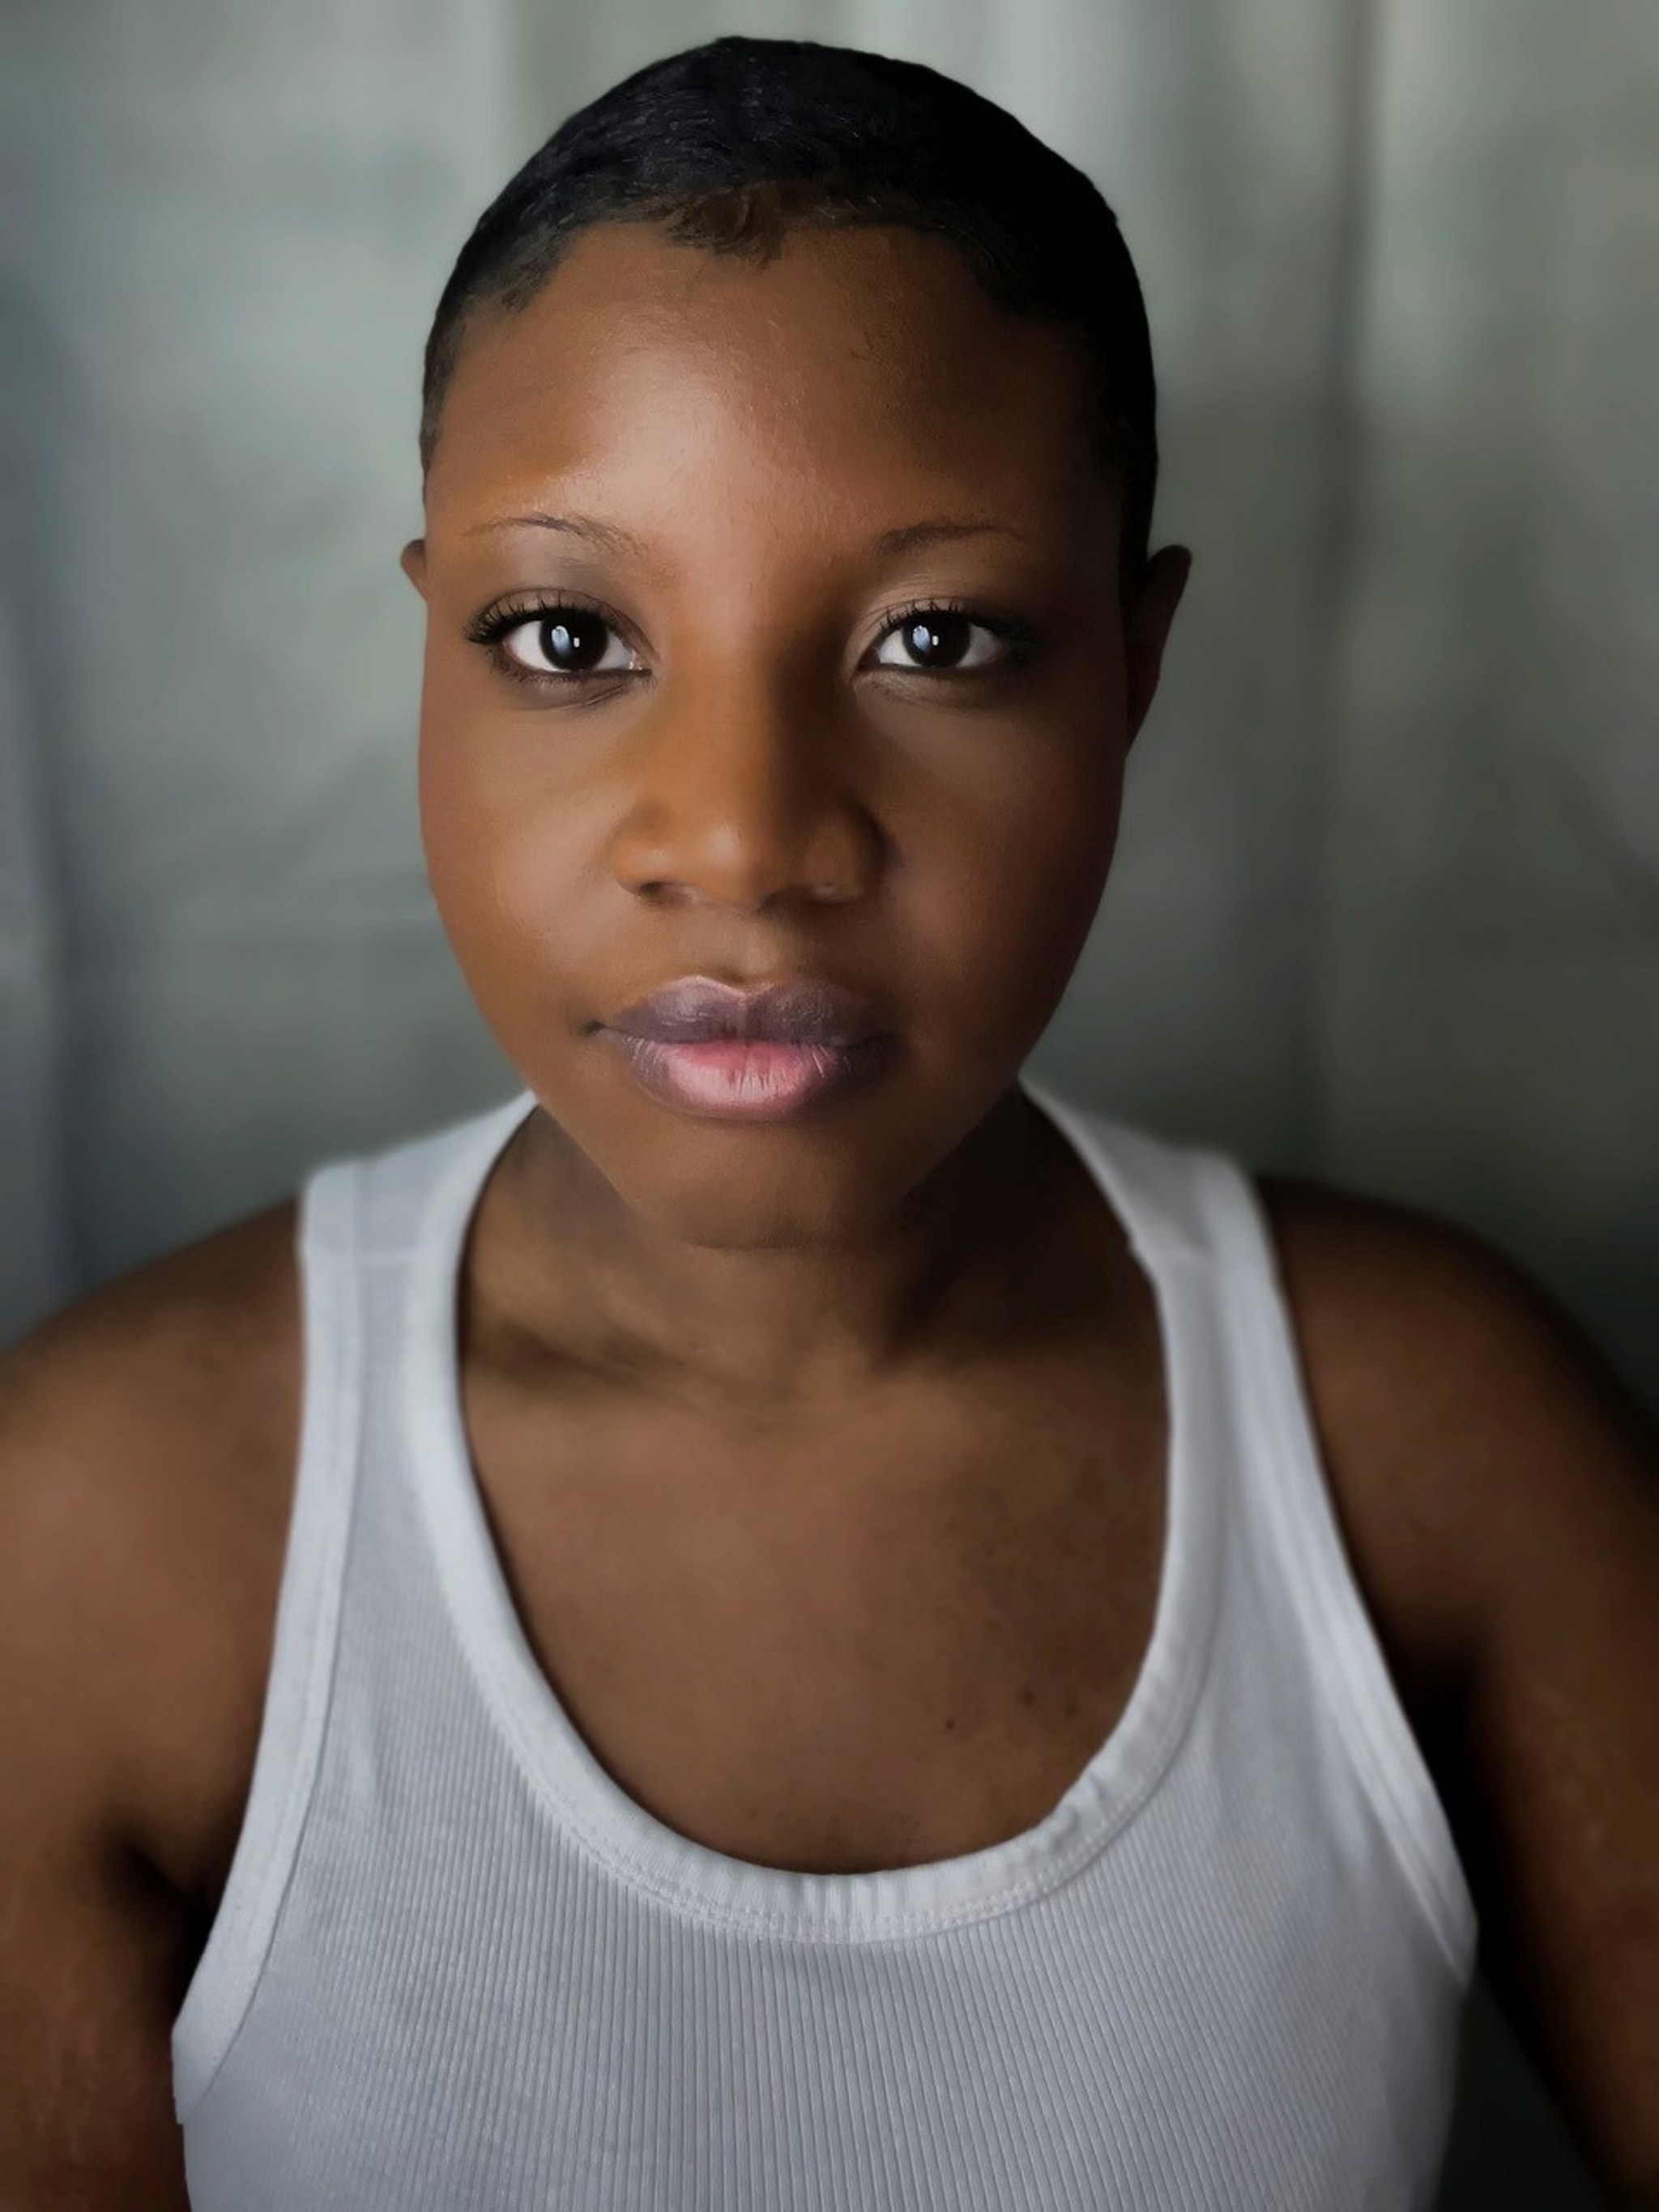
(1386, 908)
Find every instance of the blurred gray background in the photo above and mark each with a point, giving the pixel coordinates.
(1385, 906)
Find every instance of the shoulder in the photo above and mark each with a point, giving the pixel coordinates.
(139, 1397)
(1447, 1383)
(148, 1436)
(1462, 1412)
(1499, 1486)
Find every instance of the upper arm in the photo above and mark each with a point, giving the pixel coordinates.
(1505, 1489)
(87, 1994)
(1561, 1725)
(87, 1936)
(147, 1442)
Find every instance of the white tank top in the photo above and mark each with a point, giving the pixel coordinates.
(457, 1966)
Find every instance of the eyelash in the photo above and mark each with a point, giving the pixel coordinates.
(497, 623)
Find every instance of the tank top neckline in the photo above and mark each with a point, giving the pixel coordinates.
(695, 1879)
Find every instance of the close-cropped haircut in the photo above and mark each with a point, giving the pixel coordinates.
(730, 145)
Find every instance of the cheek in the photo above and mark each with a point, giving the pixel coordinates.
(502, 851)
(455, 804)
(1019, 895)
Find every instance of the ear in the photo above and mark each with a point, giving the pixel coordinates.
(412, 562)
(1148, 627)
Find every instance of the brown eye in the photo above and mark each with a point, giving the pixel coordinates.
(567, 642)
(939, 639)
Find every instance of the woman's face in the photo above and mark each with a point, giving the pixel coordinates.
(745, 479)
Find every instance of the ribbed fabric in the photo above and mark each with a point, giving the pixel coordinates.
(457, 1966)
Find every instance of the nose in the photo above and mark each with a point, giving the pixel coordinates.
(742, 797)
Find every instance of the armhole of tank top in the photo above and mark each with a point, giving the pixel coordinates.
(1346, 1654)
(300, 1673)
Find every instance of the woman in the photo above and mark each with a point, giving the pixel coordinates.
(772, 1622)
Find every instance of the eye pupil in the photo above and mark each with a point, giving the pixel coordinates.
(937, 639)
(573, 641)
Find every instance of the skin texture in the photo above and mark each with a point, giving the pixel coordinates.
(760, 801)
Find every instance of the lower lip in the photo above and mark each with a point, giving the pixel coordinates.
(730, 1079)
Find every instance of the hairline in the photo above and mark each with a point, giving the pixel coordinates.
(517, 288)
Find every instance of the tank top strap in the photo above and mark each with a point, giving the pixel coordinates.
(407, 1194)
(1157, 1188)
(1288, 1502)
(306, 1622)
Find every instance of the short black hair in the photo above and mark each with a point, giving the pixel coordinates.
(730, 144)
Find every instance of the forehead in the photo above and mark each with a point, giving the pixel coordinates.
(857, 364)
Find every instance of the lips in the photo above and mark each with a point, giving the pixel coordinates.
(801, 1010)
(745, 1079)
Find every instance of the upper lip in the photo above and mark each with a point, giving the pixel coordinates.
(799, 1010)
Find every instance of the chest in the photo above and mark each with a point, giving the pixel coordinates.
(899, 1640)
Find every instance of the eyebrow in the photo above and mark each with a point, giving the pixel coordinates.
(908, 537)
(578, 525)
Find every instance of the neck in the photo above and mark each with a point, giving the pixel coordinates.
(968, 1265)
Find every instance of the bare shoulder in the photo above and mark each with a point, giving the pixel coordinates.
(1498, 1484)
(148, 1437)
(146, 1440)
(1439, 1370)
